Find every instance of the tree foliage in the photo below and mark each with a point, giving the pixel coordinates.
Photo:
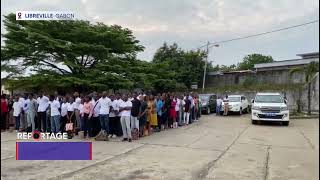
(249, 61)
(185, 67)
(69, 53)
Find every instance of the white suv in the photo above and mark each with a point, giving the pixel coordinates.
(270, 107)
(237, 103)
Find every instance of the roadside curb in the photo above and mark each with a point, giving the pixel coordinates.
(304, 117)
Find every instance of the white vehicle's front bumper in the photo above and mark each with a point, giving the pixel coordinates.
(258, 115)
(231, 108)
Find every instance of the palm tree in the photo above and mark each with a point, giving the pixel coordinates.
(309, 71)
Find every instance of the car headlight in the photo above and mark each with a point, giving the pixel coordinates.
(284, 108)
(255, 108)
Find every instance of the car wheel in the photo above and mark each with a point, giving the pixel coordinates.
(221, 113)
(285, 123)
(254, 121)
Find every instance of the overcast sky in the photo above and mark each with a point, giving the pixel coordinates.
(191, 23)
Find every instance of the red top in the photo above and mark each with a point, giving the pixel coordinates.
(4, 106)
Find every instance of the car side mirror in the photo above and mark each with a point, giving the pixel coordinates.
(252, 100)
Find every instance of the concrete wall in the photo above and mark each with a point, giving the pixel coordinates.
(291, 95)
(277, 77)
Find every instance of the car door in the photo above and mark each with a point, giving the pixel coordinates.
(244, 102)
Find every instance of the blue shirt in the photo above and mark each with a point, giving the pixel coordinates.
(159, 107)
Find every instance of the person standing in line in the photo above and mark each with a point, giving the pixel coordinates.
(196, 107)
(125, 109)
(43, 104)
(135, 111)
(226, 105)
(54, 114)
(64, 113)
(4, 112)
(104, 105)
(118, 113)
(143, 115)
(173, 113)
(153, 113)
(85, 116)
(112, 117)
(159, 105)
(187, 104)
(17, 109)
(191, 118)
(77, 110)
(95, 121)
(10, 111)
(219, 105)
(31, 112)
(70, 115)
(23, 120)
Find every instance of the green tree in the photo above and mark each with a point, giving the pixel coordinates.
(309, 71)
(183, 66)
(74, 53)
(249, 61)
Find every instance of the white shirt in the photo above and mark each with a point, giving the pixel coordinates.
(26, 105)
(43, 103)
(130, 99)
(70, 107)
(77, 103)
(219, 102)
(115, 106)
(177, 108)
(126, 113)
(81, 108)
(17, 108)
(104, 105)
(54, 108)
(118, 102)
(64, 109)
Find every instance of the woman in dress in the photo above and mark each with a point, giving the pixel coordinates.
(152, 113)
(173, 113)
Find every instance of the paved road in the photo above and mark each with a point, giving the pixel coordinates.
(219, 148)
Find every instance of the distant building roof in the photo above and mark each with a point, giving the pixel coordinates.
(309, 55)
(230, 72)
(293, 62)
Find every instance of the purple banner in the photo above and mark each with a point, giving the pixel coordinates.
(53, 150)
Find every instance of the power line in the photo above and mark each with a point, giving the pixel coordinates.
(259, 34)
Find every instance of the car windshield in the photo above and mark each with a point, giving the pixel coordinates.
(269, 99)
(204, 98)
(234, 99)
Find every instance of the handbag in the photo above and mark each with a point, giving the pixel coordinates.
(69, 126)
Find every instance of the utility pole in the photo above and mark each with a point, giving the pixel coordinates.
(205, 67)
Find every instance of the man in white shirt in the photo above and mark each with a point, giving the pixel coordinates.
(17, 109)
(95, 121)
(43, 104)
(118, 115)
(104, 105)
(31, 112)
(64, 113)
(113, 117)
(125, 109)
(77, 110)
(55, 114)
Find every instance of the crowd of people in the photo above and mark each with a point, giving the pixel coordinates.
(127, 115)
